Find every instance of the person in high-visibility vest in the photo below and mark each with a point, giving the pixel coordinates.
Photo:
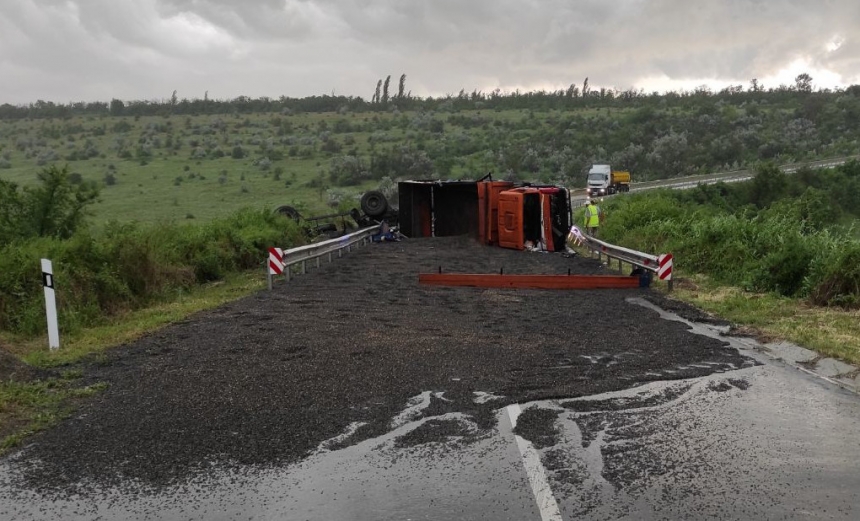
(593, 216)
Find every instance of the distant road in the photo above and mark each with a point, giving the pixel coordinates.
(578, 197)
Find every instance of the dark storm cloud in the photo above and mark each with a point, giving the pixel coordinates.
(142, 49)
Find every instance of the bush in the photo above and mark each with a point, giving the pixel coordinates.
(834, 276)
(126, 266)
(348, 170)
(784, 268)
(786, 248)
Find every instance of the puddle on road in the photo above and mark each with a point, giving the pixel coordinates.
(743, 443)
(738, 445)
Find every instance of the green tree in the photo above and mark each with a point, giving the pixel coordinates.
(754, 85)
(55, 207)
(385, 86)
(401, 89)
(769, 184)
(377, 94)
(803, 82)
(116, 107)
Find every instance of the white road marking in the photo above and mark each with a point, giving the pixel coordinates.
(536, 473)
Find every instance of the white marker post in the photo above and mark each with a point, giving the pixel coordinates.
(50, 304)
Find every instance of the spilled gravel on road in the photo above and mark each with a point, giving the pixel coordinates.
(264, 381)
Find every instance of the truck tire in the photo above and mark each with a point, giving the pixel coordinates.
(374, 204)
(288, 211)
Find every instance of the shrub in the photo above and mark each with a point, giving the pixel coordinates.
(784, 268)
(785, 248)
(834, 277)
(126, 266)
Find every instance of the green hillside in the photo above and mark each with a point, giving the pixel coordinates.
(202, 159)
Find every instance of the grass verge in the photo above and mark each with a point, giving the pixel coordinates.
(135, 324)
(832, 332)
(31, 406)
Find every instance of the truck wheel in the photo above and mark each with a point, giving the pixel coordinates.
(374, 204)
(288, 211)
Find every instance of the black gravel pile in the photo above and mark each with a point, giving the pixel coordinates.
(265, 380)
(537, 425)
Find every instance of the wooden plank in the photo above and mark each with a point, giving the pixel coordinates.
(529, 281)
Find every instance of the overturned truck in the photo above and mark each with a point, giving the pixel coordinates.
(501, 213)
(374, 210)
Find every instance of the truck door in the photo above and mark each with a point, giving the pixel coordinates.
(511, 231)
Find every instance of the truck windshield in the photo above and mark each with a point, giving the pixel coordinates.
(597, 177)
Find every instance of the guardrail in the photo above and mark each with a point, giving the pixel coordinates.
(282, 261)
(661, 264)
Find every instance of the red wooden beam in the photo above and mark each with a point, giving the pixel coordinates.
(529, 281)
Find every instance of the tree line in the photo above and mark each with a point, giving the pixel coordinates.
(574, 96)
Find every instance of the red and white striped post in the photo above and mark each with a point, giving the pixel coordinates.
(664, 270)
(275, 265)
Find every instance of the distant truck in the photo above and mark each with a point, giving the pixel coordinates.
(602, 180)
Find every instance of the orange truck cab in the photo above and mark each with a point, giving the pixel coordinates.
(534, 218)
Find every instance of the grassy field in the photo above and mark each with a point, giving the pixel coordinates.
(177, 168)
(154, 168)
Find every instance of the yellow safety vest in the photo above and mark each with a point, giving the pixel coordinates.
(592, 216)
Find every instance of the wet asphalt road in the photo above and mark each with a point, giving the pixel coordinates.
(701, 439)
(765, 442)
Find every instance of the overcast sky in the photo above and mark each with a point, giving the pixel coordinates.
(87, 50)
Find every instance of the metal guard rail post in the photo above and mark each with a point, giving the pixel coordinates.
(302, 254)
(622, 255)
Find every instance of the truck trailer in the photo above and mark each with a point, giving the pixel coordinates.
(602, 180)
